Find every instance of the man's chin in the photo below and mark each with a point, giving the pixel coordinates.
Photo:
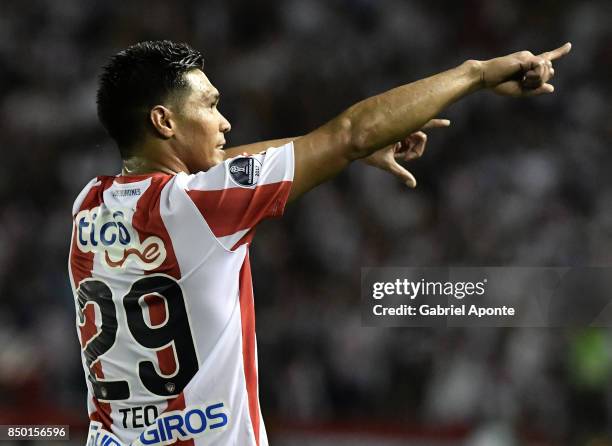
(217, 157)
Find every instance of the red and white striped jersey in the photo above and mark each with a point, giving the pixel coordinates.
(159, 266)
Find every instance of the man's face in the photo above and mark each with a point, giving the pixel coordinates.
(200, 127)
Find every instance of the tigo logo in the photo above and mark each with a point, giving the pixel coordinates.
(109, 232)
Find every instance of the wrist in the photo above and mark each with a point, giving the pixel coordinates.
(475, 69)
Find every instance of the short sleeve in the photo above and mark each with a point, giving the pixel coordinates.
(233, 197)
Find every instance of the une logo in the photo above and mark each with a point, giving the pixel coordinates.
(101, 230)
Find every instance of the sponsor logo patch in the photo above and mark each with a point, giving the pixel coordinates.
(169, 428)
(244, 171)
(110, 232)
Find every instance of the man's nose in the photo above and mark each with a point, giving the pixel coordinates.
(225, 125)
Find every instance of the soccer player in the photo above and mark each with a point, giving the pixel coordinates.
(159, 260)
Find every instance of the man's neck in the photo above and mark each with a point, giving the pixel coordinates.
(149, 160)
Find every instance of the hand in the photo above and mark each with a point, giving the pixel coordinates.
(410, 148)
(522, 74)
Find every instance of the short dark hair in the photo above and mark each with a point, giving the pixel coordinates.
(138, 78)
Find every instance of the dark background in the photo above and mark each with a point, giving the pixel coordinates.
(512, 182)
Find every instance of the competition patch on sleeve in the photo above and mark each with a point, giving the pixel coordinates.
(244, 171)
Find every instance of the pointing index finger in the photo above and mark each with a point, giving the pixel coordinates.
(557, 53)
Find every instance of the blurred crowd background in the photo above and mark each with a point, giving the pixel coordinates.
(511, 182)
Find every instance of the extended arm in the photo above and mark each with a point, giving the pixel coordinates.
(383, 119)
(385, 158)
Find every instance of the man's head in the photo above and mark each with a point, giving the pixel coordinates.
(156, 95)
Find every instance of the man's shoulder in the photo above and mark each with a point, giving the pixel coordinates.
(78, 202)
(118, 186)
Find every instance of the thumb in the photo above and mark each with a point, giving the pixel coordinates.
(403, 175)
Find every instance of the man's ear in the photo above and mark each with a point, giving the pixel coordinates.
(163, 121)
